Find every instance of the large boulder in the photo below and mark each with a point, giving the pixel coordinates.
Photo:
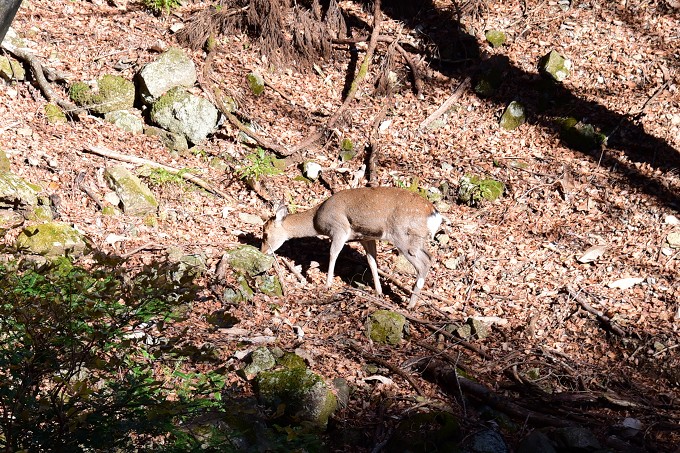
(181, 112)
(107, 94)
(52, 239)
(172, 69)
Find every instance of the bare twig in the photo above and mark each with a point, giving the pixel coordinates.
(394, 369)
(447, 104)
(105, 152)
(604, 319)
(360, 76)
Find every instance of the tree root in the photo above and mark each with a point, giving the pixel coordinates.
(39, 73)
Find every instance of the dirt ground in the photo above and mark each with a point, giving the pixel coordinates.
(514, 263)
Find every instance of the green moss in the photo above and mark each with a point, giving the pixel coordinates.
(472, 190)
(495, 37)
(54, 114)
(51, 239)
(80, 93)
(302, 394)
(386, 327)
(291, 361)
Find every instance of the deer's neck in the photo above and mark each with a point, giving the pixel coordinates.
(301, 224)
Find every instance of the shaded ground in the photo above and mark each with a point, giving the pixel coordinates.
(512, 261)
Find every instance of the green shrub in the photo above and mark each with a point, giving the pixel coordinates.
(77, 363)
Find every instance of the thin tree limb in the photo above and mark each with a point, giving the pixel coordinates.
(360, 76)
(105, 152)
(447, 104)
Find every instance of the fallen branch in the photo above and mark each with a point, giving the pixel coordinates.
(447, 104)
(604, 319)
(446, 375)
(375, 147)
(105, 152)
(394, 369)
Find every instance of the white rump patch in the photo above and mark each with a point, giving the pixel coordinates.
(434, 221)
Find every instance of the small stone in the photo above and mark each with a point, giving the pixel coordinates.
(495, 37)
(312, 170)
(250, 219)
(674, 239)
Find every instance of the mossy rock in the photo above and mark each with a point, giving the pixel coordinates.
(256, 83)
(108, 94)
(580, 136)
(299, 393)
(473, 190)
(54, 114)
(554, 66)
(11, 69)
(248, 260)
(171, 69)
(384, 326)
(16, 192)
(495, 37)
(52, 239)
(513, 116)
(135, 196)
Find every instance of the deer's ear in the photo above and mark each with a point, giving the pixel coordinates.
(281, 211)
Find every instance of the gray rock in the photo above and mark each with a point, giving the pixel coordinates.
(261, 359)
(17, 193)
(135, 196)
(181, 112)
(384, 326)
(575, 439)
(487, 441)
(172, 69)
(52, 239)
(301, 394)
(125, 120)
(537, 441)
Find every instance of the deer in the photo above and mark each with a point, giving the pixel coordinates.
(398, 216)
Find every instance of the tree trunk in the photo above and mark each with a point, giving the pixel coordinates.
(8, 8)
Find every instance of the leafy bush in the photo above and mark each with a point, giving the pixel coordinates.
(77, 364)
(261, 164)
(162, 6)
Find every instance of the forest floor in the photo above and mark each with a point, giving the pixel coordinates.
(514, 262)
